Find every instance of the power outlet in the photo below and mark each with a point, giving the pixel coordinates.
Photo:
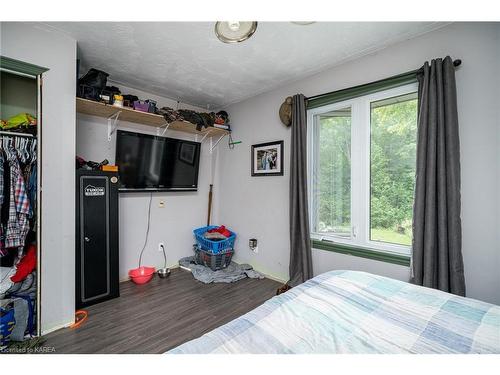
(161, 246)
(253, 245)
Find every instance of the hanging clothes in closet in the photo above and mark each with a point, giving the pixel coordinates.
(17, 193)
(18, 248)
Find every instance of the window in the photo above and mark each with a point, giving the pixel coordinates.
(362, 157)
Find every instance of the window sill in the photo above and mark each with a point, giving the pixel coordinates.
(399, 259)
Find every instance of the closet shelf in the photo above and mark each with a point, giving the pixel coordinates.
(93, 108)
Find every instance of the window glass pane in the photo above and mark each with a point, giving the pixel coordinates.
(393, 158)
(333, 197)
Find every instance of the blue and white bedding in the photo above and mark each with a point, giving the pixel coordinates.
(357, 312)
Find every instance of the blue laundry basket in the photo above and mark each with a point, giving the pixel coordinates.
(213, 246)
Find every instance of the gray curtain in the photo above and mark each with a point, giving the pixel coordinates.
(300, 239)
(437, 235)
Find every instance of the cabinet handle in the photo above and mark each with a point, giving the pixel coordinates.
(87, 239)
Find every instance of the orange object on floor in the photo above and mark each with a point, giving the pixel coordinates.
(80, 317)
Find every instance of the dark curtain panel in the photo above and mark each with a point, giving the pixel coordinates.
(300, 241)
(437, 232)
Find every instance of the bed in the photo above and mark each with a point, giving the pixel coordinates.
(357, 312)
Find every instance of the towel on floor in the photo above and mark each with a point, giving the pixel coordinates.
(230, 274)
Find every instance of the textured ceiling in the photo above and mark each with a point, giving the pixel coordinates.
(186, 62)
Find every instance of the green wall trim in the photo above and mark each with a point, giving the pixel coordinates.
(20, 66)
(401, 260)
(369, 88)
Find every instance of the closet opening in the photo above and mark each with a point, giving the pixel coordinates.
(20, 224)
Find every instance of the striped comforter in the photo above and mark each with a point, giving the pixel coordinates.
(357, 312)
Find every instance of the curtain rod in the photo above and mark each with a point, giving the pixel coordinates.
(456, 63)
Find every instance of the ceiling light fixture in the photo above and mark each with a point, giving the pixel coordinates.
(234, 31)
(303, 23)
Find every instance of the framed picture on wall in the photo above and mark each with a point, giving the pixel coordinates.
(267, 159)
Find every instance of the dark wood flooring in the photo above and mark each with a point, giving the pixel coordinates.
(161, 315)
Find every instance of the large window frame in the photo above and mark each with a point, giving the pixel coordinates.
(360, 242)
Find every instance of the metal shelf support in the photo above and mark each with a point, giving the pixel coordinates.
(113, 124)
(213, 146)
(205, 136)
(166, 125)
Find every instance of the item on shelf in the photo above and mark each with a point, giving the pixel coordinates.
(128, 100)
(152, 105)
(214, 246)
(21, 120)
(194, 118)
(108, 94)
(118, 101)
(141, 105)
(225, 127)
(170, 114)
(208, 118)
(222, 118)
(88, 92)
(91, 85)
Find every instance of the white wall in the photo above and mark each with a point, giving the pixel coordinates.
(182, 212)
(258, 206)
(38, 45)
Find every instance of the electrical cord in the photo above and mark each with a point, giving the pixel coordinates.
(147, 230)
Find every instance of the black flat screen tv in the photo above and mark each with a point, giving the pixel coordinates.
(149, 163)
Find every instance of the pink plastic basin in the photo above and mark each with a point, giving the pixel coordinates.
(141, 275)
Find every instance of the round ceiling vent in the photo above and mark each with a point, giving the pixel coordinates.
(234, 31)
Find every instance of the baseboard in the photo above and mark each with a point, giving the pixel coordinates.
(55, 328)
(275, 278)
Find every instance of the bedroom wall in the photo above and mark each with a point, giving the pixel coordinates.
(258, 206)
(31, 43)
(182, 211)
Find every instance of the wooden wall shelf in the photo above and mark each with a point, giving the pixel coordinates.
(93, 108)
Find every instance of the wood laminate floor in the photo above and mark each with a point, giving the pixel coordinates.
(161, 315)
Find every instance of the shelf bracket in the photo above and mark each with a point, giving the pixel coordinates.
(212, 147)
(166, 125)
(205, 136)
(113, 124)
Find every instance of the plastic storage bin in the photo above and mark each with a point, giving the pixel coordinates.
(213, 246)
(214, 261)
(141, 105)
